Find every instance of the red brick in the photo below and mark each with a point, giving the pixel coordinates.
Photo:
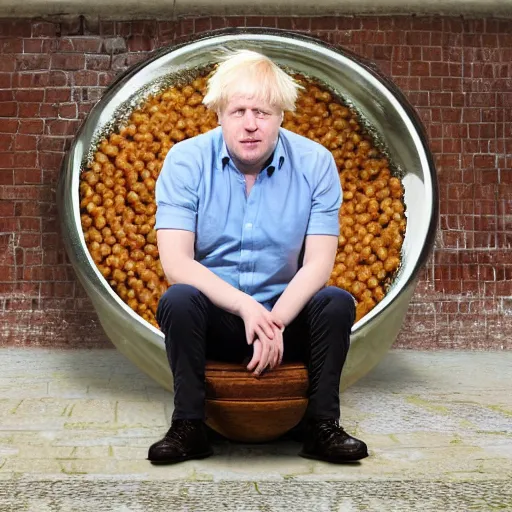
(15, 28)
(65, 61)
(400, 68)
(29, 224)
(9, 126)
(252, 21)
(32, 62)
(33, 46)
(395, 38)
(104, 80)
(432, 53)
(80, 44)
(366, 37)
(86, 78)
(24, 159)
(7, 63)
(8, 109)
(31, 79)
(451, 84)
(484, 161)
(58, 78)
(27, 176)
(25, 142)
(7, 160)
(44, 29)
(97, 62)
(11, 45)
(419, 99)
(39, 45)
(7, 273)
(282, 22)
(471, 115)
(186, 26)
(6, 95)
(458, 99)
(6, 174)
(29, 95)
(49, 110)
(144, 28)
(6, 141)
(119, 62)
(6, 209)
(34, 126)
(383, 52)
(301, 24)
(420, 68)
(203, 25)
(418, 38)
(28, 110)
(68, 111)
(5, 80)
(442, 99)
(33, 257)
(452, 145)
(323, 23)
(167, 29)
(51, 160)
(140, 44)
(61, 94)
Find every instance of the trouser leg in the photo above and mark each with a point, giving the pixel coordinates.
(322, 332)
(182, 315)
(196, 330)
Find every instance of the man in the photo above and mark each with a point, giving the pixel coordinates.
(247, 227)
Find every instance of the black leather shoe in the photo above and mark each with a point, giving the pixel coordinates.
(326, 440)
(185, 440)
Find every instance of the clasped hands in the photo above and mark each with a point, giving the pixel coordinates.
(264, 331)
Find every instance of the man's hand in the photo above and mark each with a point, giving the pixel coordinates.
(267, 352)
(258, 321)
(264, 330)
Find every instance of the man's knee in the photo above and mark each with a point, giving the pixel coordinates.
(339, 302)
(178, 298)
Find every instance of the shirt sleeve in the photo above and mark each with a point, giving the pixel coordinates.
(326, 200)
(177, 191)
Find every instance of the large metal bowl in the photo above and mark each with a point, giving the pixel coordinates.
(377, 100)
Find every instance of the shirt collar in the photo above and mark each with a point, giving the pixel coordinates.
(277, 161)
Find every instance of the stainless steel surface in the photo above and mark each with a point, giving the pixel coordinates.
(376, 99)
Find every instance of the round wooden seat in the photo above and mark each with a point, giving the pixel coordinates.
(242, 407)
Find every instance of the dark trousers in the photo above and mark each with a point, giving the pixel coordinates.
(196, 330)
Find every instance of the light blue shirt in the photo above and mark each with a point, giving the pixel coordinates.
(253, 242)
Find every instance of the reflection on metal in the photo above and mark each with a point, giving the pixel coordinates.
(378, 100)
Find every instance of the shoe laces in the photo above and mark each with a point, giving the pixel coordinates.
(179, 431)
(329, 430)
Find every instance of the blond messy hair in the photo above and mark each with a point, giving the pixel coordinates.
(253, 75)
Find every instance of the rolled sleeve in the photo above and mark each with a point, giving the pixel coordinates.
(326, 200)
(177, 191)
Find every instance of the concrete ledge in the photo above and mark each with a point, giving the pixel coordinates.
(173, 8)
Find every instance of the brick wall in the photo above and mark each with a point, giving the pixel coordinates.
(456, 72)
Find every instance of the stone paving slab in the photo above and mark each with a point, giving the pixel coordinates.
(75, 427)
(104, 495)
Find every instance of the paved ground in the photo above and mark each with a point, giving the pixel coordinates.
(75, 427)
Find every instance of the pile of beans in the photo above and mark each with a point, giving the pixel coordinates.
(117, 192)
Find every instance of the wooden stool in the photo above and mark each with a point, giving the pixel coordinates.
(246, 408)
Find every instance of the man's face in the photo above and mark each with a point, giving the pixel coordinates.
(250, 128)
